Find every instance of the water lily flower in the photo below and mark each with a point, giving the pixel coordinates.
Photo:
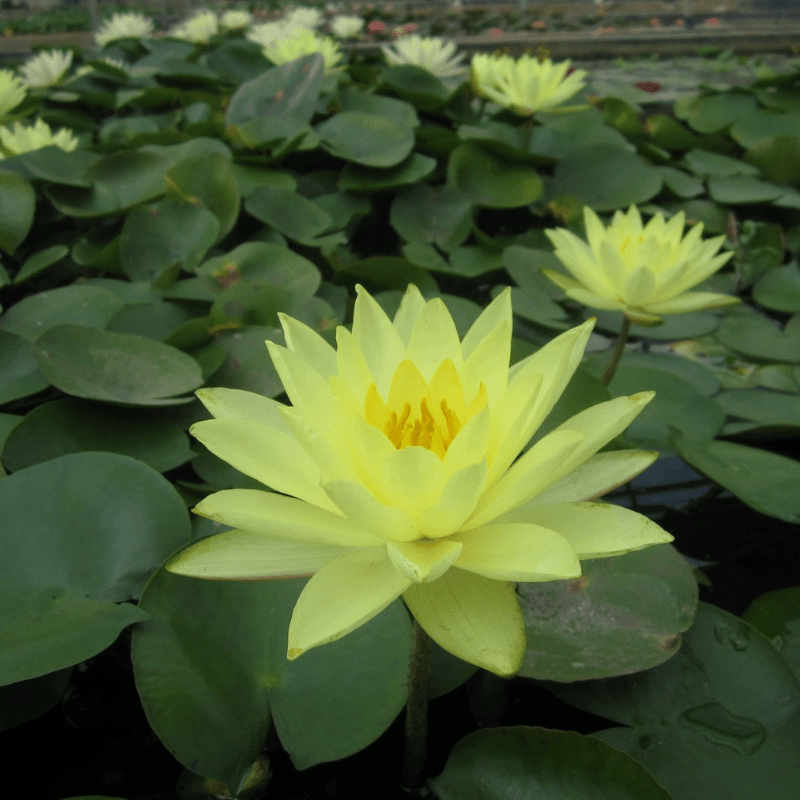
(642, 271)
(199, 28)
(526, 85)
(431, 54)
(345, 26)
(124, 26)
(395, 473)
(234, 19)
(266, 33)
(46, 68)
(300, 43)
(304, 18)
(23, 139)
(12, 92)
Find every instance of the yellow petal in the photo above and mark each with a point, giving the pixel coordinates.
(407, 314)
(275, 515)
(598, 530)
(458, 501)
(517, 552)
(237, 404)
(423, 561)
(411, 478)
(487, 364)
(474, 618)
(593, 300)
(243, 555)
(309, 345)
(597, 476)
(342, 596)
(353, 371)
(434, 339)
(360, 505)
(495, 315)
(270, 456)
(471, 442)
(692, 301)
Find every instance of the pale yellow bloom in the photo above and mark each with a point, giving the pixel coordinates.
(643, 271)
(124, 26)
(527, 85)
(431, 54)
(266, 33)
(199, 28)
(23, 139)
(234, 19)
(300, 43)
(303, 18)
(47, 68)
(395, 473)
(345, 26)
(12, 92)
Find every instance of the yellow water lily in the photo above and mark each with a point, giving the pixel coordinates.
(395, 473)
(199, 28)
(526, 85)
(643, 271)
(430, 53)
(346, 26)
(124, 26)
(47, 68)
(302, 42)
(23, 139)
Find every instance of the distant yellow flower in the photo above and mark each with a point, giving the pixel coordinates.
(12, 92)
(124, 26)
(23, 139)
(266, 33)
(300, 43)
(527, 85)
(199, 28)
(431, 54)
(643, 271)
(235, 19)
(46, 68)
(395, 473)
(345, 26)
(304, 18)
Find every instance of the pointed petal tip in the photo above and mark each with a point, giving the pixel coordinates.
(293, 653)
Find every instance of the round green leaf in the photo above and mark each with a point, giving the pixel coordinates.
(764, 481)
(720, 719)
(757, 337)
(115, 367)
(208, 180)
(675, 326)
(17, 203)
(20, 375)
(679, 183)
(714, 113)
(491, 181)
(290, 213)
(764, 124)
(368, 139)
(72, 426)
(247, 363)
(87, 306)
(605, 177)
(538, 764)
(742, 190)
(624, 614)
(768, 408)
(156, 321)
(440, 215)
(416, 85)
(713, 165)
(779, 289)
(159, 240)
(390, 272)
(702, 378)
(778, 158)
(216, 651)
(771, 612)
(96, 526)
(358, 178)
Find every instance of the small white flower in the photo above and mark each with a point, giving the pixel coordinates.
(304, 18)
(47, 68)
(12, 92)
(124, 26)
(235, 19)
(199, 28)
(23, 139)
(344, 27)
(429, 53)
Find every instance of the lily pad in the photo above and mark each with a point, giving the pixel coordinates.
(757, 337)
(623, 615)
(779, 289)
(20, 375)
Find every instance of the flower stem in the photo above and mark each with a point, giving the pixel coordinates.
(419, 674)
(618, 350)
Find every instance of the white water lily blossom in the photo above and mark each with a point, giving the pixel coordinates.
(266, 33)
(124, 26)
(12, 92)
(303, 18)
(395, 474)
(47, 68)
(300, 43)
(23, 138)
(431, 54)
(346, 27)
(199, 28)
(643, 271)
(526, 85)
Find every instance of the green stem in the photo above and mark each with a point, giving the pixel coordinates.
(419, 675)
(618, 351)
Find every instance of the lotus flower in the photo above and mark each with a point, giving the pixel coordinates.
(429, 53)
(395, 473)
(527, 85)
(643, 271)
